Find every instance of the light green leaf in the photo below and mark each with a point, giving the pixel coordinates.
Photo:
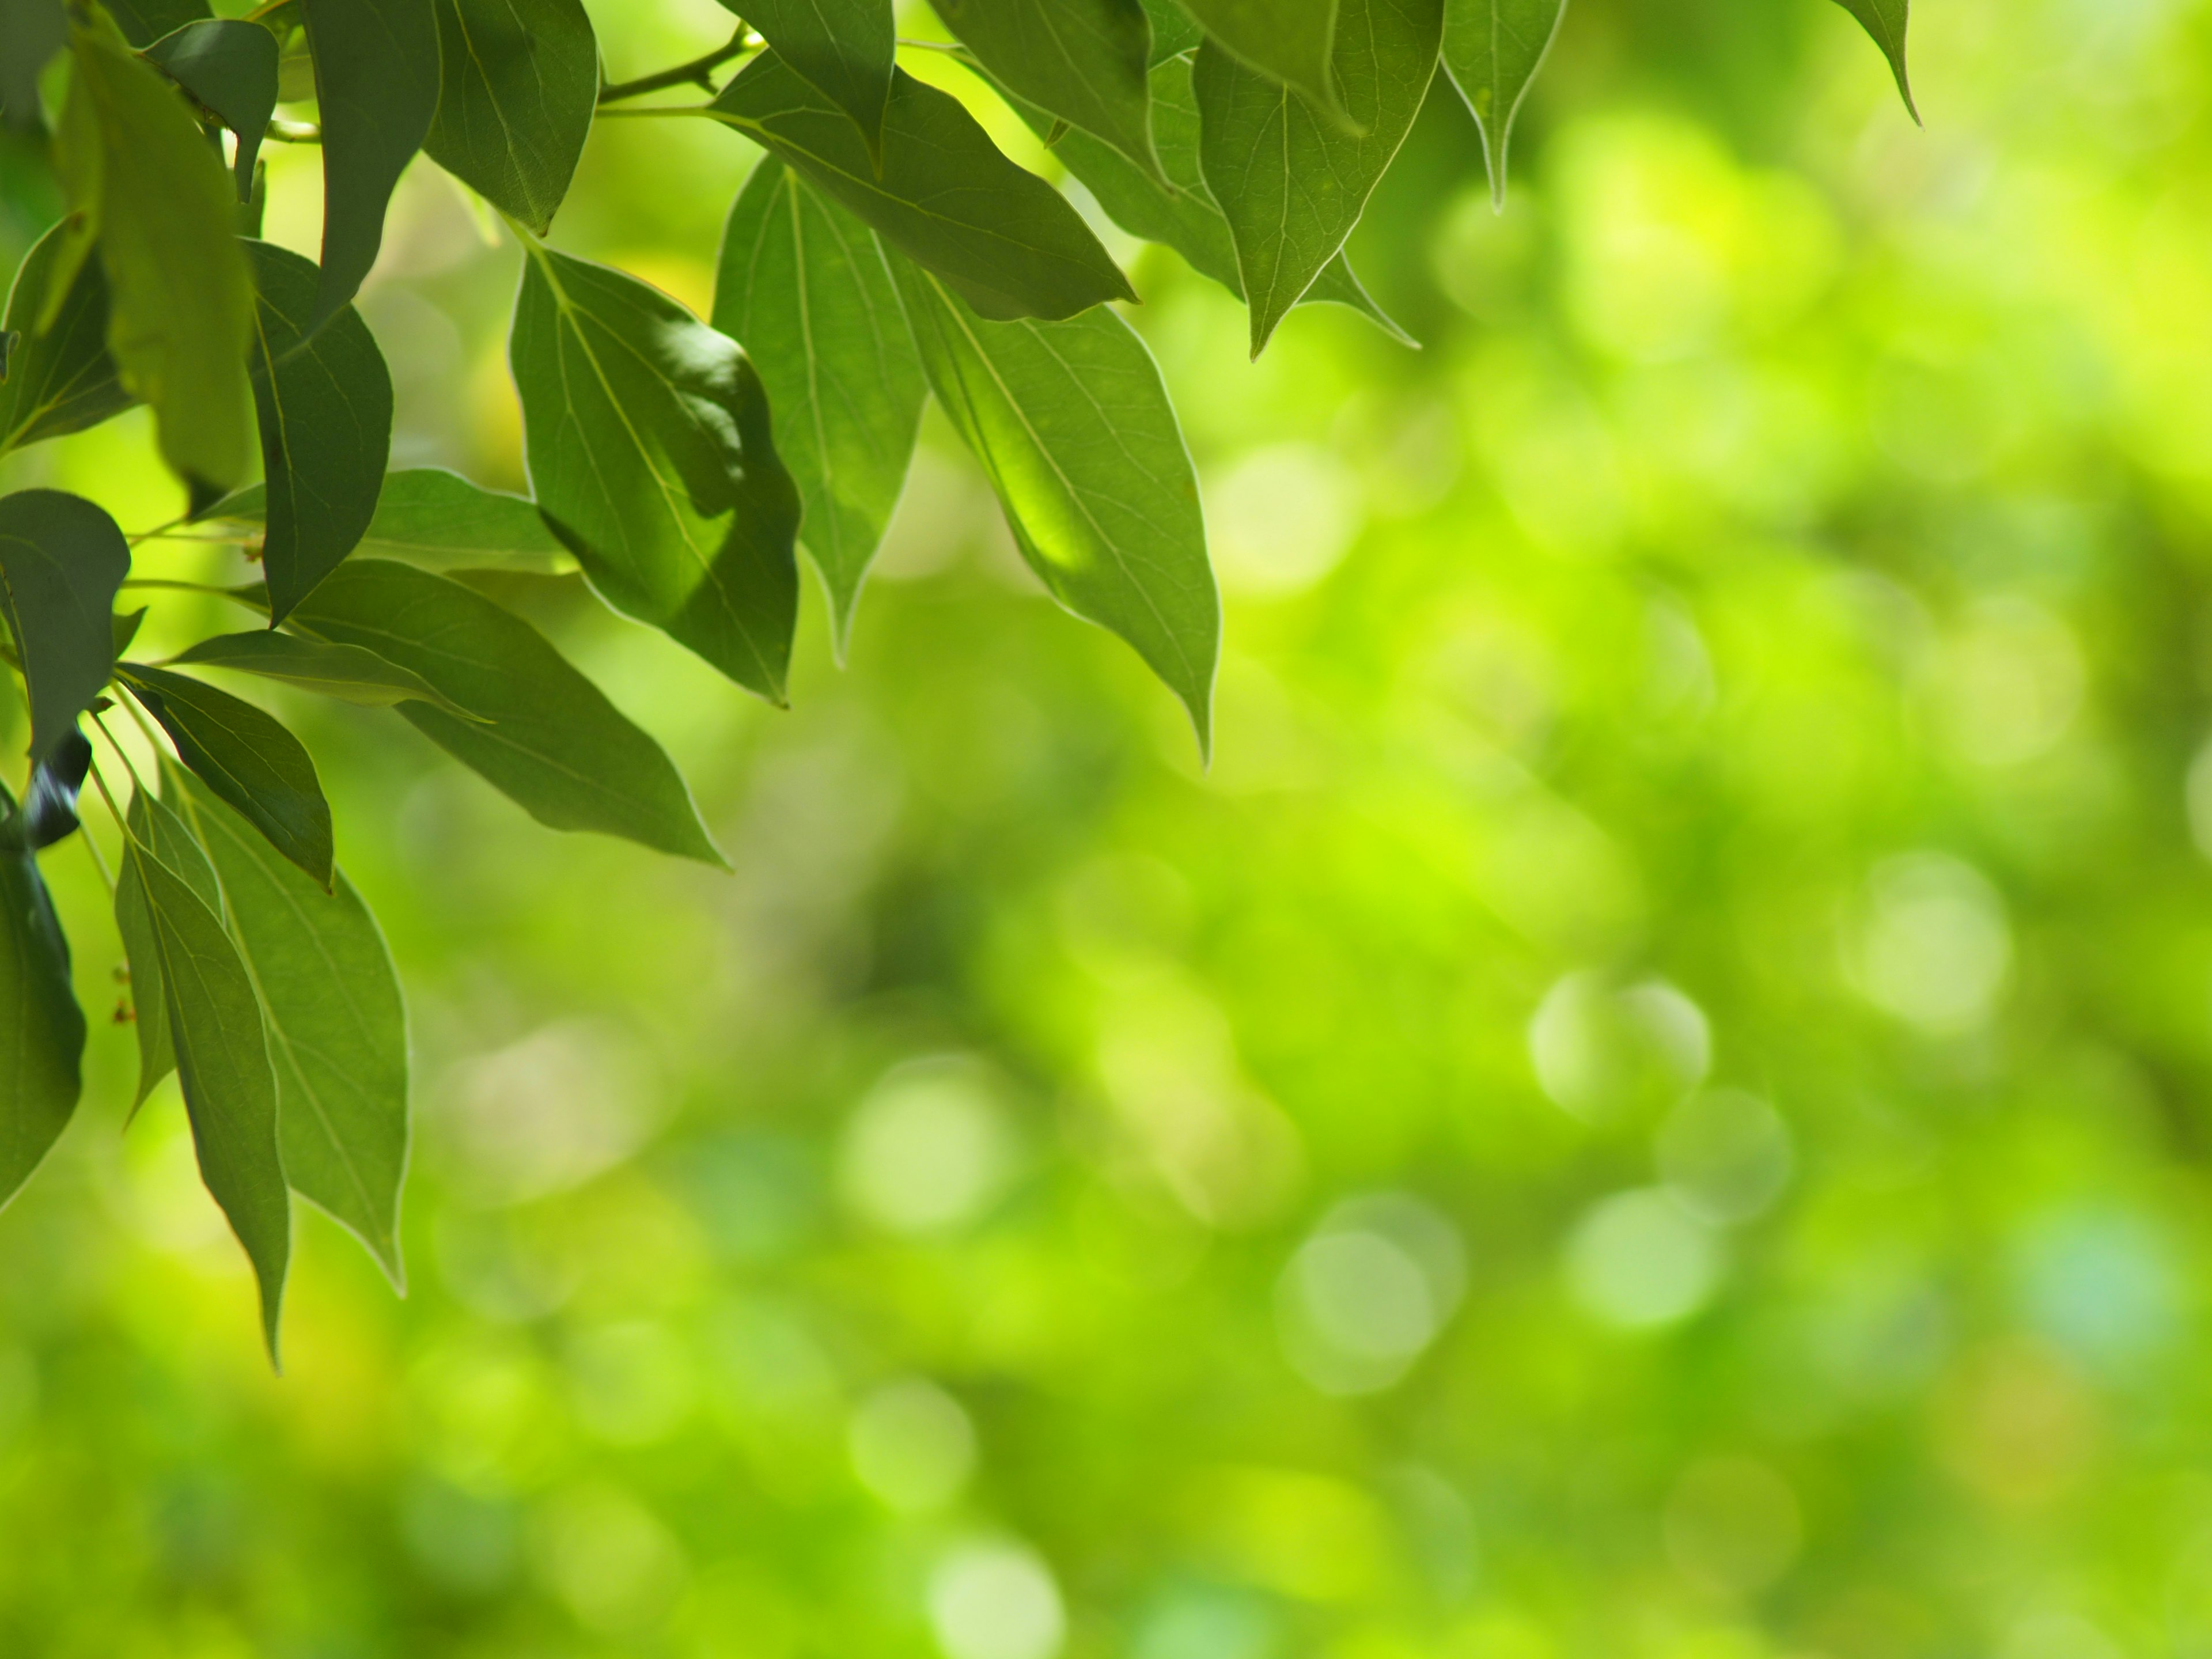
(376, 84)
(844, 47)
(1084, 60)
(61, 380)
(1492, 50)
(1291, 184)
(647, 438)
(1885, 20)
(521, 81)
(325, 403)
(62, 561)
(41, 1027)
(347, 673)
(438, 520)
(223, 1063)
(156, 827)
(945, 193)
(1175, 31)
(1183, 215)
(145, 183)
(336, 1025)
(1292, 42)
(805, 282)
(554, 745)
(245, 757)
(1077, 435)
(230, 67)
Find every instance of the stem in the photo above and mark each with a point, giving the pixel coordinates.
(660, 109)
(293, 132)
(190, 587)
(158, 530)
(99, 858)
(121, 756)
(698, 72)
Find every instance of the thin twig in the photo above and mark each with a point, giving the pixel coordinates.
(99, 858)
(698, 72)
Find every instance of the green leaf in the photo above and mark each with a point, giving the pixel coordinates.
(1291, 183)
(1175, 31)
(376, 83)
(156, 827)
(844, 48)
(1183, 215)
(1084, 60)
(245, 757)
(1292, 42)
(146, 184)
(806, 283)
(521, 81)
(32, 33)
(325, 403)
(49, 811)
(1076, 432)
(62, 561)
(344, 672)
(1492, 50)
(647, 438)
(62, 379)
(223, 1063)
(438, 520)
(230, 67)
(41, 1027)
(145, 22)
(336, 1025)
(1886, 19)
(554, 745)
(945, 193)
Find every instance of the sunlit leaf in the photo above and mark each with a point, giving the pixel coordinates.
(1292, 183)
(1074, 429)
(41, 1027)
(1885, 20)
(62, 561)
(348, 673)
(803, 284)
(430, 517)
(1084, 60)
(1175, 31)
(230, 67)
(336, 1028)
(376, 86)
(647, 438)
(554, 745)
(945, 193)
(845, 47)
(61, 380)
(1292, 42)
(245, 757)
(521, 81)
(1492, 50)
(325, 404)
(156, 826)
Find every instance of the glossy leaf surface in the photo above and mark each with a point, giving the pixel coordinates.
(521, 78)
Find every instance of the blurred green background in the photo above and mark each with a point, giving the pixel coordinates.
(1654, 1101)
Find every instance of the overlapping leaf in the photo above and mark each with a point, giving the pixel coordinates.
(1492, 50)
(1074, 429)
(155, 827)
(62, 561)
(41, 1027)
(521, 78)
(553, 743)
(430, 517)
(943, 193)
(844, 47)
(1292, 42)
(647, 438)
(1292, 183)
(348, 673)
(804, 283)
(230, 66)
(61, 380)
(145, 22)
(1084, 60)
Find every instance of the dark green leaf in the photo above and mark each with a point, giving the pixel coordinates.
(49, 811)
(1076, 432)
(1292, 42)
(944, 194)
(145, 22)
(154, 826)
(325, 403)
(41, 1027)
(521, 81)
(345, 671)
(376, 82)
(62, 379)
(649, 443)
(231, 68)
(1183, 215)
(437, 519)
(32, 32)
(145, 183)
(245, 757)
(223, 1062)
(1292, 183)
(806, 283)
(1885, 20)
(1085, 60)
(844, 47)
(555, 746)
(61, 560)
(1175, 31)
(336, 1026)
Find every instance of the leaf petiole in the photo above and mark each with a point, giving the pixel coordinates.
(698, 72)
